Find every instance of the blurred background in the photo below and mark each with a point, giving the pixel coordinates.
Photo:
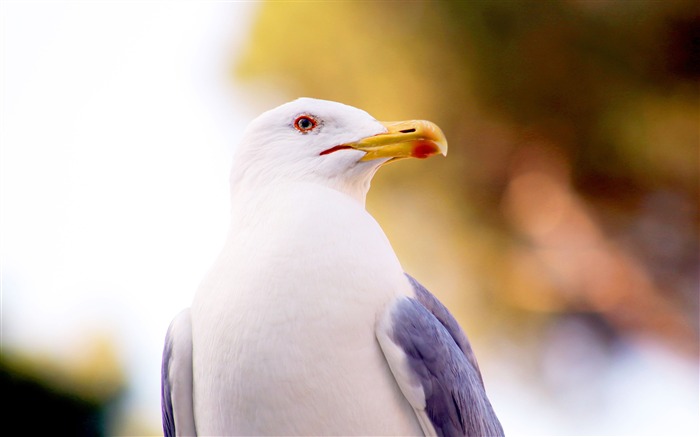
(567, 208)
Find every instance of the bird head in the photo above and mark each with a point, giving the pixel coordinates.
(325, 142)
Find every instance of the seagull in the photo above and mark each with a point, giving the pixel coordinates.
(307, 324)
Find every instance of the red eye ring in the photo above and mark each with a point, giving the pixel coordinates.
(305, 123)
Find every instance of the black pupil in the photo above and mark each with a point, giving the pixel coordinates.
(305, 123)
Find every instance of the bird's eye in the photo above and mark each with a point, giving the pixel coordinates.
(305, 123)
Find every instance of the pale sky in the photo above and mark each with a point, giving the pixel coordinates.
(118, 122)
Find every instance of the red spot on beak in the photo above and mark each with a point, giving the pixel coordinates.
(424, 149)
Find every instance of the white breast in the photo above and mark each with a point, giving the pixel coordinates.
(284, 324)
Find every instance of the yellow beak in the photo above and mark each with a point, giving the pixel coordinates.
(403, 139)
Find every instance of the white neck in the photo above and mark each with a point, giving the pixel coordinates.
(353, 182)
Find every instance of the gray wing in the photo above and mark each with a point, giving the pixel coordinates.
(434, 366)
(176, 378)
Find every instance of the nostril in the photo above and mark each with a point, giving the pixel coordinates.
(407, 131)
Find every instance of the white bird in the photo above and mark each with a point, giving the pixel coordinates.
(307, 324)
